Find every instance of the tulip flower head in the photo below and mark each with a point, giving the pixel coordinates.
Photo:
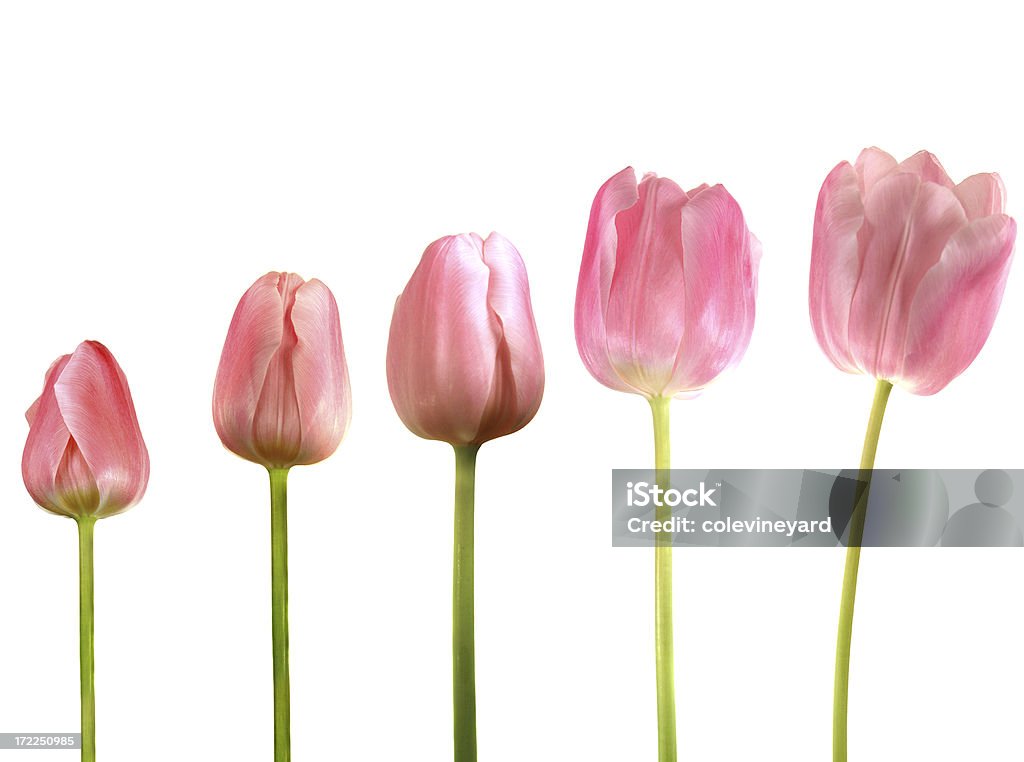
(665, 300)
(282, 395)
(907, 268)
(85, 456)
(464, 362)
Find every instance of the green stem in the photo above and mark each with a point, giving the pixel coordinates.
(86, 525)
(841, 693)
(463, 648)
(664, 661)
(279, 611)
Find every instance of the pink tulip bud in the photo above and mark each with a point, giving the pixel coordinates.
(665, 300)
(464, 360)
(282, 395)
(907, 268)
(85, 455)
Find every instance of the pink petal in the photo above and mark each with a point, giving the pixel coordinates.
(254, 336)
(907, 223)
(835, 259)
(926, 166)
(956, 304)
(96, 404)
(519, 374)
(592, 291)
(276, 430)
(872, 165)
(699, 189)
(74, 485)
(720, 260)
(48, 439)
(981, 195)
(51, 376)
(645, 316)
(444, 343)
(321, 382)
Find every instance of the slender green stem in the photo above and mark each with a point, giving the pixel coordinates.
(86, 525)
(841, 693)
(279, 612)
(664, 661)
(463, 648)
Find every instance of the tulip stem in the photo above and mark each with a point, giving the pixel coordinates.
(663, 639)
(841, 693)
(463, 648)
(86, 525)
(279, 611)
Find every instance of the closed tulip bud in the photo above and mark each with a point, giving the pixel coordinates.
(464, 361)
(907, 268)
(85, 457)
(282, 395)
(665, 300)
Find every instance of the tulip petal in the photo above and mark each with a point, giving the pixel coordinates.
(96, 404)
(444, 343)
(646, 304)
(47, 442)
(835, 258)
(956, 304)
(276, 430)
(74, 485)
(720, 259)
(522, 381)
(321, 386)
(926, 166)
(872, 165)
(253, 337)
(592, 291)
(907, 223)
(981, 195)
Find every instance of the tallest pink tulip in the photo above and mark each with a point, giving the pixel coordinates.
(907, 268)
(907, 273)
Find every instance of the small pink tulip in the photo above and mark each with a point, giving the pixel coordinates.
(282, 395)
(907, 268)
(464, 362)
(665, 300)
(85, 455)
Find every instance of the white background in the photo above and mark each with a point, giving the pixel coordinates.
(155, 159)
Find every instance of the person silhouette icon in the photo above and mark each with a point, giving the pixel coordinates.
(986, 523)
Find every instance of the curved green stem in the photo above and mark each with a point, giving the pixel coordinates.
(463, 644)
(279, 612)
(86, 525)
(664, 661)
(841, 693)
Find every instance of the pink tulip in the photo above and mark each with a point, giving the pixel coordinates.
(665, 300)
(282, 395)
(907, 268)
(464, 361)
(85, 455)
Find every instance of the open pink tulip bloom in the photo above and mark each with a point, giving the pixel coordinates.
(665, 300)
(282, 395)
(464, 361)
(907, 268)
(85, 455)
